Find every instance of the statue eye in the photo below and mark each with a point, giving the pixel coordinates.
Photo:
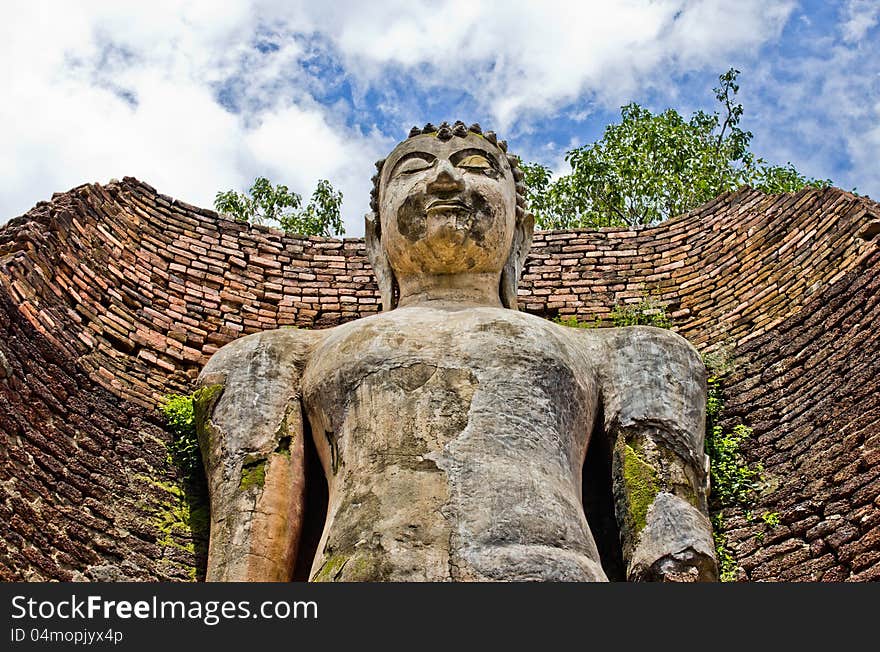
(476, 162)
(414, 164)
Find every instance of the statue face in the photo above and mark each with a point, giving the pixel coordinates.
(447, 207)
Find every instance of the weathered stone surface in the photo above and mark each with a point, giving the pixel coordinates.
(251, 435)
(423, 463)
(818, 374)
(676, 544)
(453, 431)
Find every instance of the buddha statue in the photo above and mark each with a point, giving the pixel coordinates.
(458, 438)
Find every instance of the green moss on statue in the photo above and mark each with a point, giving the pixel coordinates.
(253, 473)
(331, 569)
(284, 436)
(640, 482)
(203, 401)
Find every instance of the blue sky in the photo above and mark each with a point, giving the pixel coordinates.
(193, 99)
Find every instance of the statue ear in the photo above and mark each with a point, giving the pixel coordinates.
(379, 261)
(522, 242)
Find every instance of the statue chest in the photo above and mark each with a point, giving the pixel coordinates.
(446, 436)
(399, 388)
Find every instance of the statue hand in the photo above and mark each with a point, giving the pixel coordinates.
(675, 545)
(687, 565)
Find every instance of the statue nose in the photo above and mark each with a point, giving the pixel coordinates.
(447, 180)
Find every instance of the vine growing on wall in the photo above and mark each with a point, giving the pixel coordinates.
(734, 481)
(182, 517)
(183, 449)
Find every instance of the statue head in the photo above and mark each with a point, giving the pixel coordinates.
(448, 200)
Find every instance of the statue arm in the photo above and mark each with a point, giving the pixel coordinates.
(249, 423)
(654, 402)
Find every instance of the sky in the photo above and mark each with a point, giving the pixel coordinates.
(198, 97)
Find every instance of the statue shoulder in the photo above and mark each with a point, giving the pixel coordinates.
(250, 385)
(628, 347)
(654, 376)
(642, 344)
(260, 352)
(249, 422)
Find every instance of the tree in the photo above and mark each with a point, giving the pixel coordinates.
(265, 203)
(651, 167)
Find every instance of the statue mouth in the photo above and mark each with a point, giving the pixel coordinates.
(444, 205)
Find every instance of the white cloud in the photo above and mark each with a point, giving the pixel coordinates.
(859, 17)
(821, 110)
(545, 54)
(104, 89)
(110, 89)
(301, 146)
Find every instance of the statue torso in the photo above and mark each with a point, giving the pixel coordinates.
(453, 442)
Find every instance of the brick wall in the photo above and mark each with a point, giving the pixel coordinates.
(810, 389)
(131, 291)
(87, 493)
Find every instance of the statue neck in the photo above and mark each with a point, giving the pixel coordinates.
(450, 290)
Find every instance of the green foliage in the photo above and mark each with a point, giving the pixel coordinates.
(771, 518)
(265, 203)
(647, 312)
(714, 401)
(572, 322)
(175, 518)
(720, 361)
(554, 204)
(651, 167)
(320, 217)
(726, 563)
(184, 446)
(733, 479)
(182, 517)
(775, 179)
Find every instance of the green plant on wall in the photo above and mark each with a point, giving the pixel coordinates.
(726, 562)
(647, 312)
(770, 518)
(184, 446)
(572, 322)
(734, 482)
(183, 515)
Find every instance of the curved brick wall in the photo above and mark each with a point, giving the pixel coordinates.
(85, 480)
(127, 292)
(810, 389)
